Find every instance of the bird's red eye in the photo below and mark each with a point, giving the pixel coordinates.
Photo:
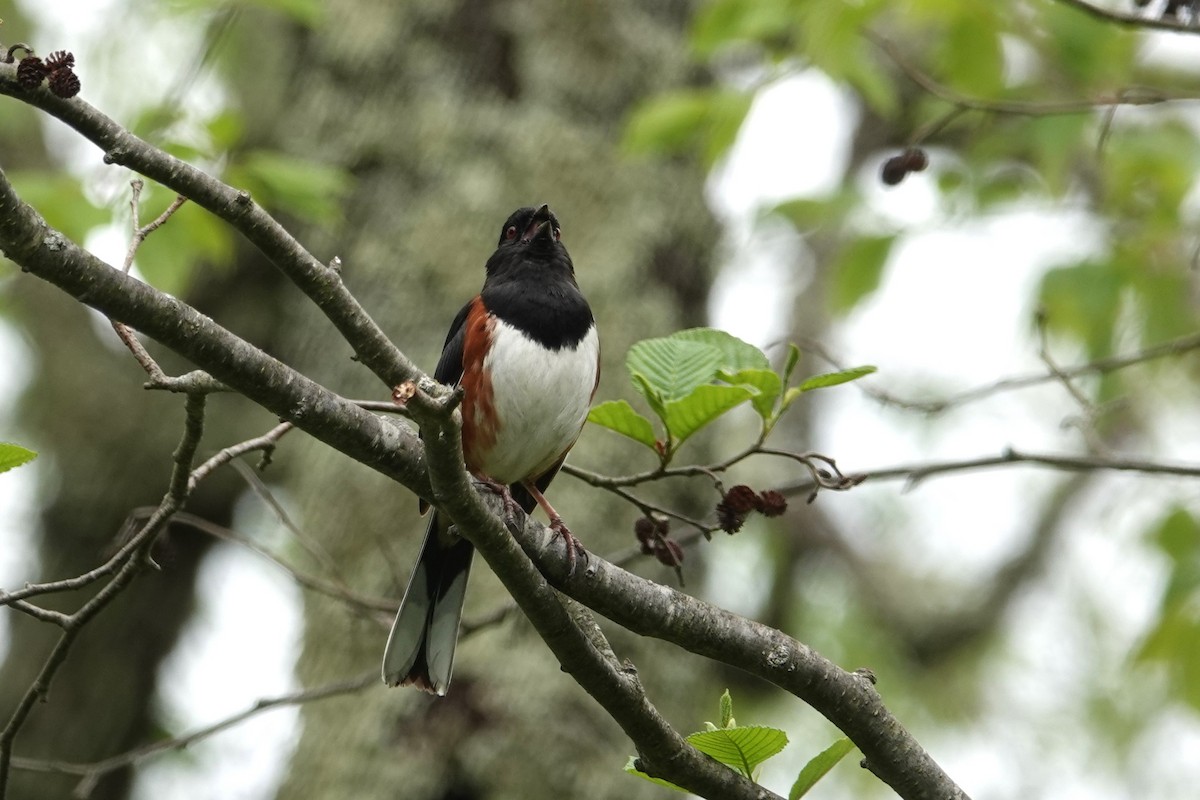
(511, 233)
(558, 234)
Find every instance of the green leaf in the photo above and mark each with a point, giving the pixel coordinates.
(672, 368)
(619, 416)
(969, 53)
(858, 269)
(704, 121)
(789, 397)
(1173, 643)
(735, 354)
(13, 455)
(724, 22)
(808, 214)
(1083, 301)
(819, 766)
(741, 748)
(834, 378)
(789, 366)
(766, 383)
(653, 398)
(727, 710)
(632, 770)
(688, 415)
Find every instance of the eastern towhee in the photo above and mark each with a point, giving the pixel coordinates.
(526, 354)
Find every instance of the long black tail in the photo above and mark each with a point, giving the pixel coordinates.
(420, 648)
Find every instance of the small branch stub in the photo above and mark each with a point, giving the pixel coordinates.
(404, 392)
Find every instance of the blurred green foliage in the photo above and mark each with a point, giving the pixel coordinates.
(1029, 106)
(1036, 124)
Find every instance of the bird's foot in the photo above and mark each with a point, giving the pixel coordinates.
(571, 542)
(511, 506)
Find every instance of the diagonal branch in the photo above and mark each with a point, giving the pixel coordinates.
(391, 449)
(847, 699)
(322, 284)
(94, 771)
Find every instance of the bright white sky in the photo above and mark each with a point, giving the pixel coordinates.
(952, 313)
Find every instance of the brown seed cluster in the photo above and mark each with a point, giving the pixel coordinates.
(653, 535)
(58, 70)
(896, 168)
(741, 500)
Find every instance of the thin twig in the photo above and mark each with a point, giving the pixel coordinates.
(334, 589)
(126, 334)
(1127, 96)
(91, 772)
(1101, 366)
(134, 561)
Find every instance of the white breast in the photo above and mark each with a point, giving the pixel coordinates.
(542, 397)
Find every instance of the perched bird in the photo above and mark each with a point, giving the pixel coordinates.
(526, 354)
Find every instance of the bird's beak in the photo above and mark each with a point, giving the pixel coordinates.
(540, 226)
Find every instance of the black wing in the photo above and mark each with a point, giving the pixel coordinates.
(449, 368)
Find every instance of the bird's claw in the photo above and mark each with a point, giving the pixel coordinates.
(571, 543)
(511, 506)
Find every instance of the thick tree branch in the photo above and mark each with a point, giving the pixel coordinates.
(847, 699)
(393, 450)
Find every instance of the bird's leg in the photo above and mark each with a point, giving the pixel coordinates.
(559, 528)
(501, 489)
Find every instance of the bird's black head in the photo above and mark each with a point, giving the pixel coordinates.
(530, 227)
(530, 238)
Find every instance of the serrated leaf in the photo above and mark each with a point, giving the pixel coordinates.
(741, 748)
(673, 368)
(819, 766)
(726, 710)
(653, 398)
(835, 378)
(765, 382)
(632, 770)
(736, 354)
(688, 415)
(14, 455)
(619, 416)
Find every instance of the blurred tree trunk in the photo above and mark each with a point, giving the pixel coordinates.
(449, 116)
